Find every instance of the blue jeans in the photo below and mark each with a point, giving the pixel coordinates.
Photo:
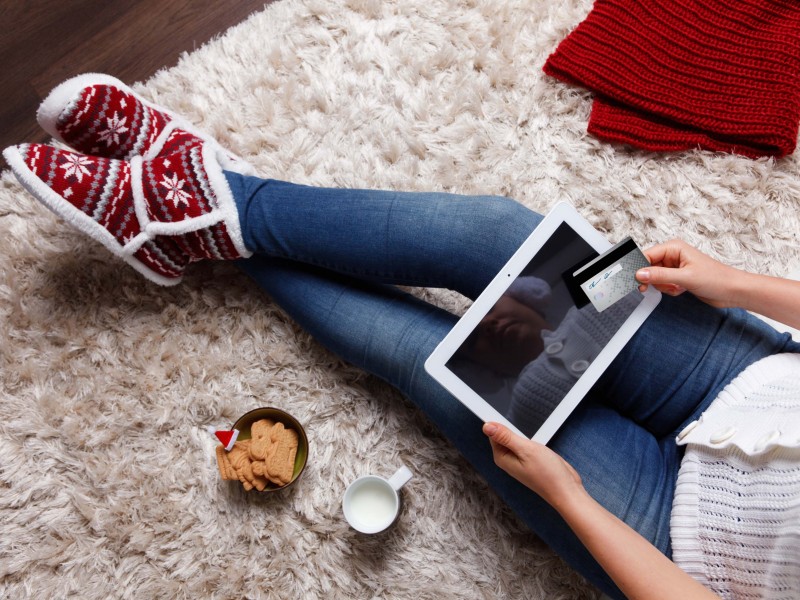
(331, 258)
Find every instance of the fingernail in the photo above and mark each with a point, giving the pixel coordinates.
(643, 275)
(489, 429)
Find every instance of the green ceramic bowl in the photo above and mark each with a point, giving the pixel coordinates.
(276, 414)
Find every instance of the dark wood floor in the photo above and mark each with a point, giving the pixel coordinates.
(44, 42)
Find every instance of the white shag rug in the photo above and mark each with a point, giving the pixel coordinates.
(108, 487)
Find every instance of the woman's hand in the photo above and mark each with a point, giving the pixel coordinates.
(534, 465)
(678, 267)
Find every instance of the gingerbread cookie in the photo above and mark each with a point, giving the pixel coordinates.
(240, 460)
(224, 465)
(260, 434)
(280, 466)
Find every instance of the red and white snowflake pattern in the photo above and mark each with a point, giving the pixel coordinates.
(116, 127)
(75, 165)
(175, 192)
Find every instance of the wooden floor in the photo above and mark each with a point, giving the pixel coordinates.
(45, 42)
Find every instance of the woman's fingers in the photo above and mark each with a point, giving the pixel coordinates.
(503, 436)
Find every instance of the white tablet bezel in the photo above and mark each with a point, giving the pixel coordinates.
(435, 365)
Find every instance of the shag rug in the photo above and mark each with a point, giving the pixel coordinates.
(109, 487)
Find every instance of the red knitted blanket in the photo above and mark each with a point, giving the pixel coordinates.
(679, 74)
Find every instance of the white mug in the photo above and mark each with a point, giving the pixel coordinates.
(372, 503)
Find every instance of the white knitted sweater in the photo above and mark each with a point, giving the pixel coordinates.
(735, 522)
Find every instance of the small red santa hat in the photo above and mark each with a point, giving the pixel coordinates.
(226, 437)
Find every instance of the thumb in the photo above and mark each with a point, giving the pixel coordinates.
(503, 436)
(661, 276)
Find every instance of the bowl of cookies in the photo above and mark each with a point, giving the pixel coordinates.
(270, 452)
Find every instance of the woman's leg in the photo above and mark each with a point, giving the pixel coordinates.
(680, 360)
(416, 239)
(390, 333)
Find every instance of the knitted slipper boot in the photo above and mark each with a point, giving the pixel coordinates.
(99, 115)
(158, 215)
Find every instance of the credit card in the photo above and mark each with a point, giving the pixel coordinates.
(612, 275)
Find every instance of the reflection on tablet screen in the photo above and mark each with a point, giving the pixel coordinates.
(539, 338)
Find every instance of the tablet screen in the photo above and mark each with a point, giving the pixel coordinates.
(539, 338)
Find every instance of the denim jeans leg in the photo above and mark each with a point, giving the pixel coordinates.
(680, 360)
(415, 239)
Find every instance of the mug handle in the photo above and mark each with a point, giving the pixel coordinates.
(400, 478)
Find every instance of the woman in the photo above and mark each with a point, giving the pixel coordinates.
(160, 195)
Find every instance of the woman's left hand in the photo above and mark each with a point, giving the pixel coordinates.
(534, 465)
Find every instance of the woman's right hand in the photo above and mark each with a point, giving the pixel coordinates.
(677, 267)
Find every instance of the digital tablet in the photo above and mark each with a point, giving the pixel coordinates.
(547, 326)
